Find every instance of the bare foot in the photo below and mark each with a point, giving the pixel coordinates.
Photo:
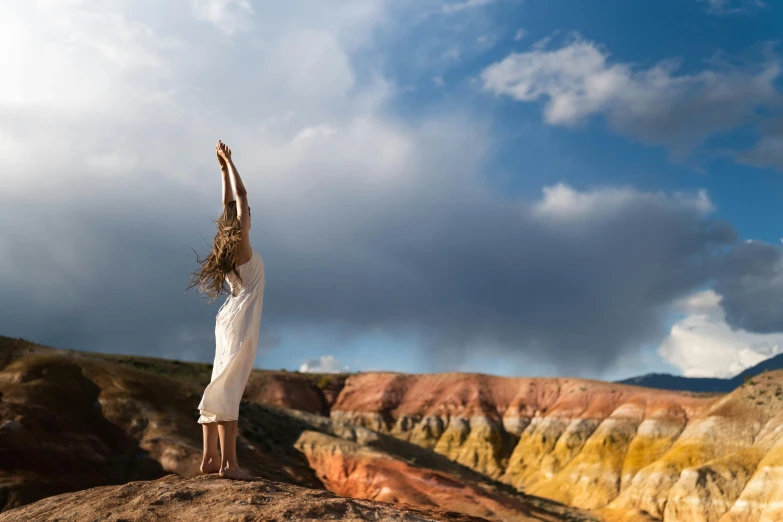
(210, 465)
(236, 473)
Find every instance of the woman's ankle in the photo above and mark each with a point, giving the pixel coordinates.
(227, 464)
(209, 464)
(211, 458)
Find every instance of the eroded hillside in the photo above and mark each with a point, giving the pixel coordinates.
(630, 453)
(72, 421)
(467, 440)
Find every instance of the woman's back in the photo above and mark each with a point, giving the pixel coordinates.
(251, 274)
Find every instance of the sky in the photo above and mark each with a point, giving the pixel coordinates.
(513, 187)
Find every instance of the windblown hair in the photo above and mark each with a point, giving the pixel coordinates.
(210, 279)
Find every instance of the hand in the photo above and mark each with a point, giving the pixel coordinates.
(221, 162)
(223, 153)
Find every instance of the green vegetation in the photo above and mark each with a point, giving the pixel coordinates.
(201, 373)
(197, 373)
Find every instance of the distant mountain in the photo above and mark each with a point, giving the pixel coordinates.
(773, 363)
(666, 381)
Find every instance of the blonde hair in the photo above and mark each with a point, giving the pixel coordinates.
(210, 279)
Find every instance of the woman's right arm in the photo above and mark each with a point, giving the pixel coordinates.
(228, 192)
(236, 182)
(237, 187)
(243, 211)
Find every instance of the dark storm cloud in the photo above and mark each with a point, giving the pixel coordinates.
(576, 290)
(97, 274)
(365, 223)
(751, 283)
(574, 278)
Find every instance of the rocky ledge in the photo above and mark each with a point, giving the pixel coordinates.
(213, 498)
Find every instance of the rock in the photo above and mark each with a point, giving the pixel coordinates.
(628, 452)
(54, 440)
(625, 452)
(11, 425)
(360, 472)
(211, 498)
(146, 427)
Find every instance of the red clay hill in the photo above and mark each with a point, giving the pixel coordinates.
(489, 447)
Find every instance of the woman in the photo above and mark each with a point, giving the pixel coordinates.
(232, 267)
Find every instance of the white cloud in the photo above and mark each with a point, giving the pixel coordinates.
(704, 345)
(130, 77)
(655, 105)
(437, 81)
(733, 7)
(486, 40)
(451, 54)
(467, 4)
(229, 16)
(105, 100)
(562, 203)
(80, 58)
(119, 160)
(323, 364)
(521, 33)
(768, 150)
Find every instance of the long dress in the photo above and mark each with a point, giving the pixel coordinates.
(236, 339)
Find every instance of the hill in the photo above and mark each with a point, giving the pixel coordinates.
(666, 381)
(72, 421)
(209, 498)
(492, 447)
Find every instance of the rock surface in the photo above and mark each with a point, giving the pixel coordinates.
(73, 421)
(630, 453)
(219, 500)
(487, 446)
(352, 470)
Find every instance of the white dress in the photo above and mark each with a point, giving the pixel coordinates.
(236, 339)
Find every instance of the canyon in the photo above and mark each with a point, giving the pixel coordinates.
(493, 448)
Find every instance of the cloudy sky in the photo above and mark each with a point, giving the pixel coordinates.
(503, 186)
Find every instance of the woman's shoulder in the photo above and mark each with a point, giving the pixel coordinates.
(258, 261)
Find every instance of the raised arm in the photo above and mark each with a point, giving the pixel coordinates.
(236, 182)
(228, 192)
(224, 154)
(238, 192)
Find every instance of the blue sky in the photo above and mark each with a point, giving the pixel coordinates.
(499, 186)
(641, 33)
(438, 57)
